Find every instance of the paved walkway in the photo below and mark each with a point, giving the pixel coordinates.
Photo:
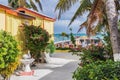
(61, 67)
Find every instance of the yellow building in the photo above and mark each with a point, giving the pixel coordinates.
(45, 22)
(11, 21)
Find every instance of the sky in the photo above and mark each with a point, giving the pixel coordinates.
(60, 25)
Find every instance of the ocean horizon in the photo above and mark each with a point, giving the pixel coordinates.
(58, 37)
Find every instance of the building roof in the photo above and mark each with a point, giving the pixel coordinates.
(7, 9)
(3, 6)
(14, 12)
(18, 13)
(25, 15)
(36, 13)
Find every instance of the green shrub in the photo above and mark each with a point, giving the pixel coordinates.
(9, 54)
(36, 40)
(100, 70)
(50, 47)
(72, 38)
(92, 54)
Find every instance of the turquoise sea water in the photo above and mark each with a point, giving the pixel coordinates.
(58, 37)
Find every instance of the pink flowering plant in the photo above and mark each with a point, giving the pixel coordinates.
(36, 40)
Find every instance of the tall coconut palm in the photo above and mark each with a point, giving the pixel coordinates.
(113, 26)
(94, 6)
(97, 18)
(63, 34)
(24, 3)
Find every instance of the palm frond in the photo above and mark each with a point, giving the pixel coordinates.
(21, 3)
(97, 29)
(28, 5)
(33, 5)
(64, 5)
(97, 19)
(83, 25)
(39, 3)
(85, 5)
(12, 3)
(105, 22)
(117, 2)
(96, 14)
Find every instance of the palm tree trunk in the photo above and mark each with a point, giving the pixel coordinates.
(112, 16)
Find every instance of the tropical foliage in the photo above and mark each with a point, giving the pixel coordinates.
(92, 54)
(103, 14)
(97, 17)
(63, 34)
(24, 3)
(72, 37)
(100, 70)
(97, 63)
(9, 54)
(64, 5)
(50, 47)
(36, 40)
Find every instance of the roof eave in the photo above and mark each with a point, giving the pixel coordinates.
(40, 15)
(26, 16)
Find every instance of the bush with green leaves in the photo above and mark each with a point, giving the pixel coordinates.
(100, 70)
(92, 54)
(36, 40)
(9, 54)
(72, 38)
(97, 63)
(50, 47)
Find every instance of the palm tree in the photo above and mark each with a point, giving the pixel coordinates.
(113, 26)
(63, 34)
(97, 18)
(94, 6)
(24, 3)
